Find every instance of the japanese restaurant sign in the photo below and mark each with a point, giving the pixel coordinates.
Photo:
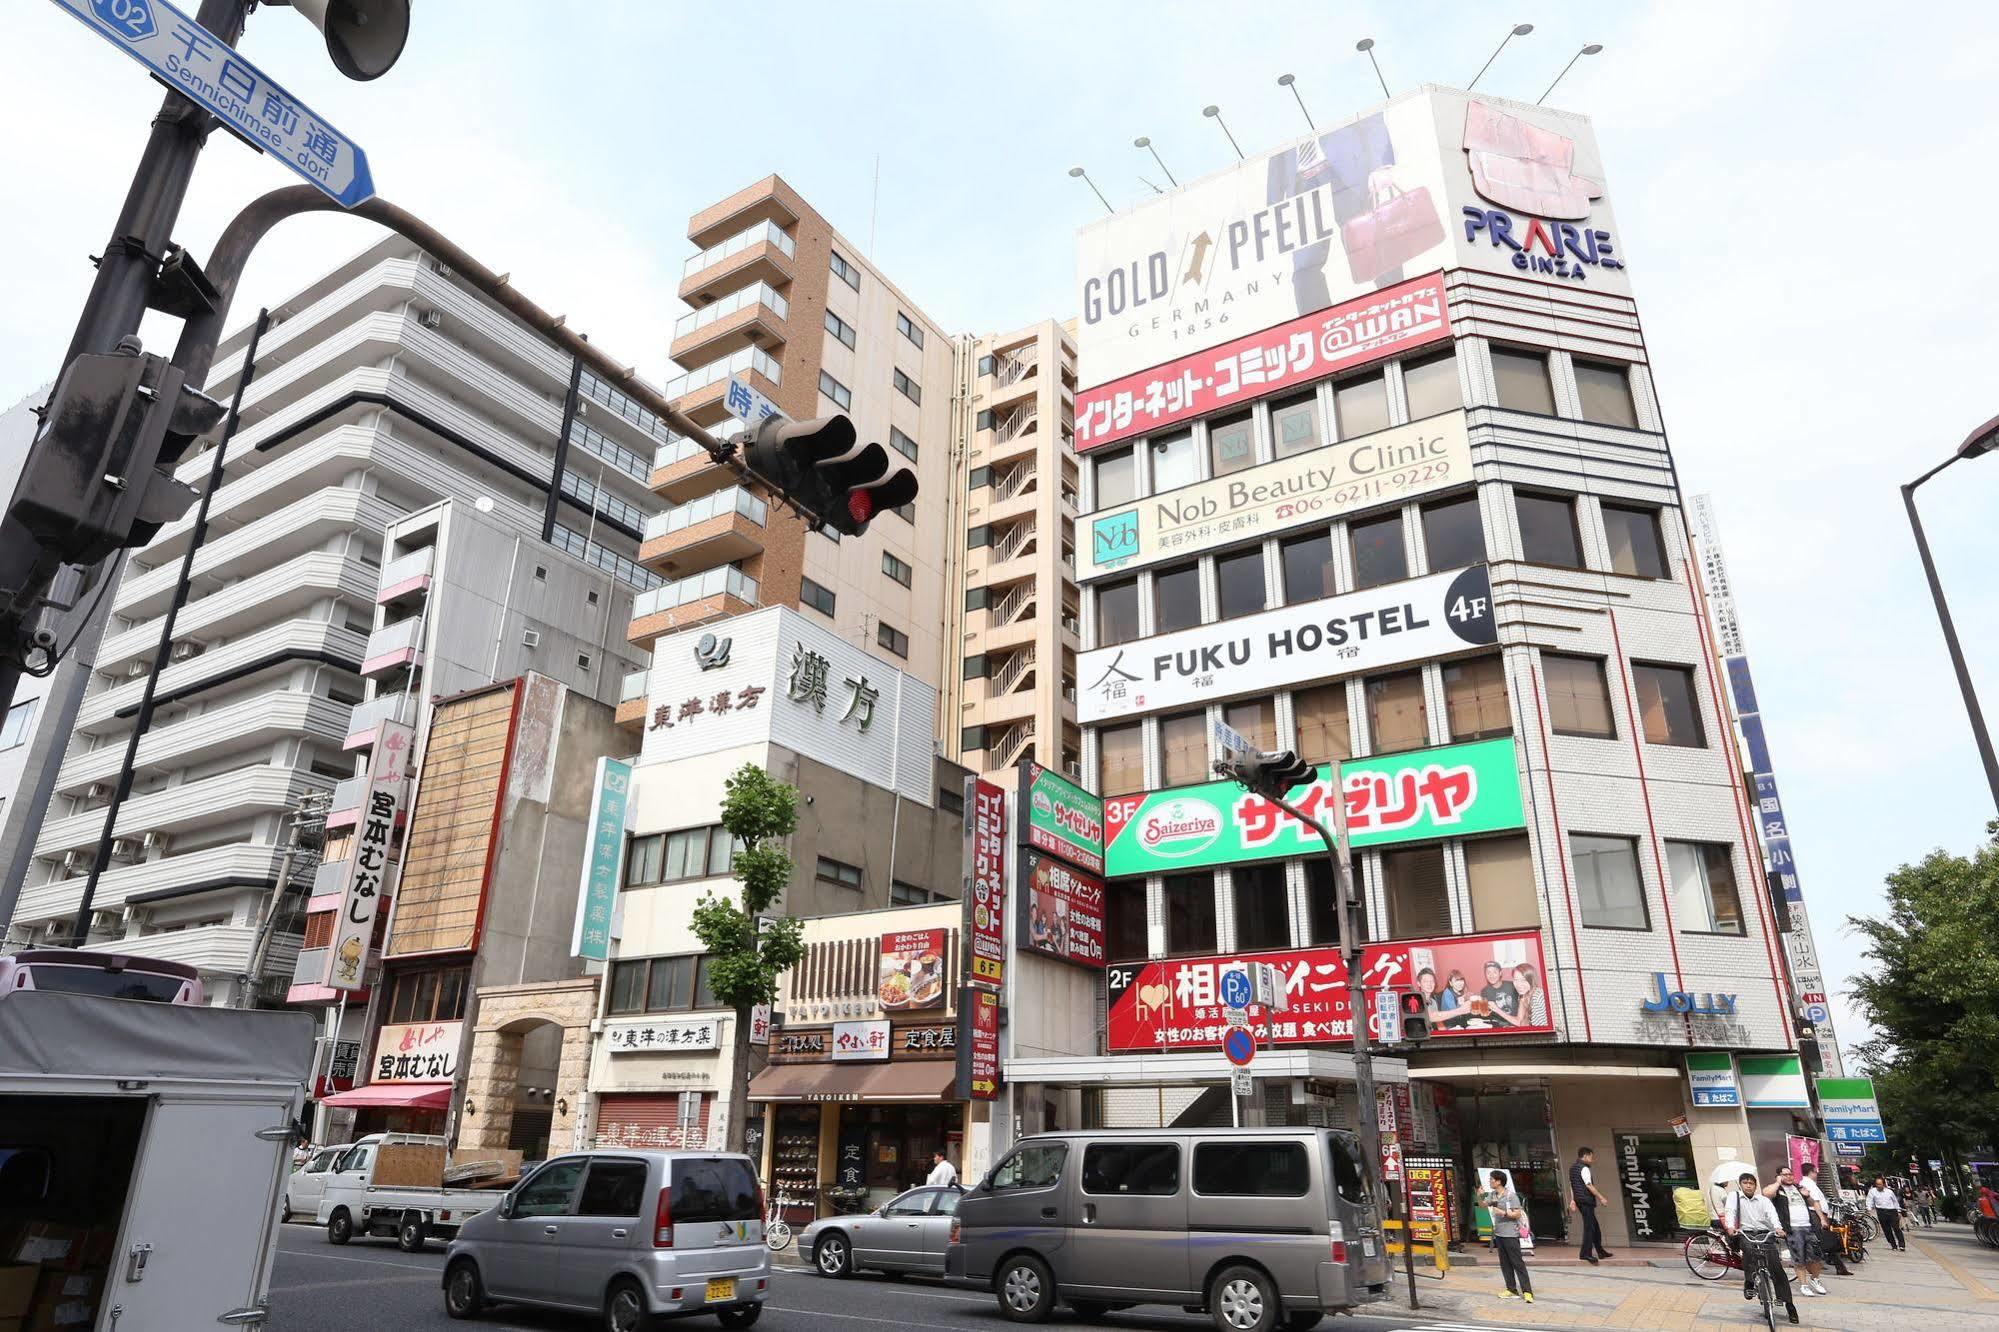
(1061, 910)
(603, 856)
(383, 793)
(985, 896)
(860, 1040)
(1061, 817)
(417, 1052)
(978, 1044)
(909, 970)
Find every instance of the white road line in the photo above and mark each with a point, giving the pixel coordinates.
(377, 1262)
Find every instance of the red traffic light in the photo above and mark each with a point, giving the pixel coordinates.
(1412, 1004)
(860, 505)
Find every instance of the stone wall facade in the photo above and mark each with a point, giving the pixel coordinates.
(504, 1014)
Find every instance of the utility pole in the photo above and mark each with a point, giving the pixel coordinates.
(307, 834)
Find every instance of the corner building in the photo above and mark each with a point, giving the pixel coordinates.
(1373, 468)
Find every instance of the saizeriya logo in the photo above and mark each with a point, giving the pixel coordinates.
(1180, 827)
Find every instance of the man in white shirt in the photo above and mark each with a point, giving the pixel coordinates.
(1747, 1209)
(1815, 1198)
(1887, 1207)
(942, 1172)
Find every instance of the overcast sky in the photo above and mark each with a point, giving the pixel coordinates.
(1803, 193)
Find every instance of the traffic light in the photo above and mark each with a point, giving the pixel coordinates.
(1273, 775)
(1415, 1016)
(822, 467)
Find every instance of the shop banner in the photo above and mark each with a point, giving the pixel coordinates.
(1799, 1150)
(1772, 1082)
(985, 896)
(417, 1052)
(1061, 817)
(1481, 985)
(1849, 1110)
(1383, 323)
(909, 970)
(603, 857)
(1305, 489)
(1451, 791)
(663, 1035)
(1711, 1077)
(1061, 910)
(853, 1041)
(383, 793)
(1390, 625)
(978, 1044)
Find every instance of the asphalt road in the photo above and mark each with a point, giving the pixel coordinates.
(371, 1284)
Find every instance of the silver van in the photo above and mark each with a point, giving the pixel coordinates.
(630, 1236)
(1258, 1227)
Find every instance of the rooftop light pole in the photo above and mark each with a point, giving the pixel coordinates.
(1291, 81)
(1591, 49)
(1084, 176)
(1143, 142)
(1517, 30)
(1366, 45)
(1214, 113)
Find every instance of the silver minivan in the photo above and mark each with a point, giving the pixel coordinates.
(1260, 1228)
(631, 1236)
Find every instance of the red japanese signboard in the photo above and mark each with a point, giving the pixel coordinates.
(985, 904)
(1061, 909)
(1313, 346)
(909, 971)
(1479, 985)
(978, 1044)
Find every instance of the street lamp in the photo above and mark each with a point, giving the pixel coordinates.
(1517, 30)
(1291, 81)
(1980, 441)
(1084, 176)
(1366, 44)
(1144, 142)
(1214, 113)
(1590, 49)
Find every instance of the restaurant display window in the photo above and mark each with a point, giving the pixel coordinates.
(890, 1146)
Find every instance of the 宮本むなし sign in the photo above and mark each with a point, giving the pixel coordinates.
(417, 1052)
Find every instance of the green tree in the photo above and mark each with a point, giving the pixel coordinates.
(746, 955)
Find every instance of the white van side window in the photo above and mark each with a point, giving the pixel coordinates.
(1037, 1167)
(1126, 1169)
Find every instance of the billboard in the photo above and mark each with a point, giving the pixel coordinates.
(1430, 180)
(1480, 985)
(1412, 620)
(603, 858)
(978, 1044)
(909, 970)
(1061, 817)
(1061, 910)
(985, 895)
(1398, 319)
(1305, 489)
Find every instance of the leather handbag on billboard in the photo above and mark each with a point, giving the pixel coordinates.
(1524, 167)
(1402, 225)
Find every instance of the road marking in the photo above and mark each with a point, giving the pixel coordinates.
(351, 1258)
(1961, 1274)
(427, 1278)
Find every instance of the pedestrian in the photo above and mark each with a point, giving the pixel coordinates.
(1583, 1199)
(1888, 1211)
(941, 1170)
(1808, 1184)
(1794, 1211)
(1748, 1209)
(1507, 1212)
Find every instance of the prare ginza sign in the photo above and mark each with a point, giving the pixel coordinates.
(1360, 631)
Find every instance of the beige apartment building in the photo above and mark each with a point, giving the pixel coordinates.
(1015, 697)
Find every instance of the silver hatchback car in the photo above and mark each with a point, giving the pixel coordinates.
(633, 1237)
(908, 1233)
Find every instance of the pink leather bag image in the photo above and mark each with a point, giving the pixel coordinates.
(1524, 167)
(1401, 225)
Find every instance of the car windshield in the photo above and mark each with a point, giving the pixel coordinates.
(127, 984)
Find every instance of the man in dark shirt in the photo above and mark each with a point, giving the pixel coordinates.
(1584, 1198)
(1499, 991)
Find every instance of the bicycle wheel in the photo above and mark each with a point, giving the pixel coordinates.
(1766, 1294)
(1707, 1256)
(777, 1235)
(1869, 1227)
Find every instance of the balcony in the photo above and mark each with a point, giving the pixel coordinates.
(682, 470)
(255, 788)
(240, 861)
(278, 644)
(217, 949)
(398, 644)
(722, 591)
(279, 591)
(715, 529)
(768, 200)
(763, 253)
(265, 718)
(406, 576)
(361, 723)
(700, 391)
(752, 317)
(632, 699)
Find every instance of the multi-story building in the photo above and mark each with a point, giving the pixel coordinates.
(377, 390)
(1374, 470)
(1015, 698)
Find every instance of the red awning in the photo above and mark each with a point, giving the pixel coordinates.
(393, 1095)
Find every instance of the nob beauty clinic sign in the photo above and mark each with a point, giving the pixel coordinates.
(1316, 487)
(1383, 626)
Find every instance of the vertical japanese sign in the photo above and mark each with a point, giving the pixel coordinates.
(603, 856)
(384, 791)
(985, 901)
(978, 1044)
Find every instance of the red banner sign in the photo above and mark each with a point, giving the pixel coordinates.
(909, 970)
(1409, 314)
(1479, 985)
(978, 1044)
(985, 905)
(1062, 910)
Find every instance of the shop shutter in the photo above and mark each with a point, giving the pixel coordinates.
(649, 1121)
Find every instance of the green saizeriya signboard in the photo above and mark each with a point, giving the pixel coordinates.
(1453, 791)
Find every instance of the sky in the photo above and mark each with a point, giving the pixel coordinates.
(1801, 191)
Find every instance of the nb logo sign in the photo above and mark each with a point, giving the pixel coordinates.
(1115, 537)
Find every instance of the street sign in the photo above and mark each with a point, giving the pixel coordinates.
(201, 67)
(1271, 991)
(1241, 1083)
(1387, 1015)
(746, 404)
(1854, 1149)
(1236, 989)
(1239, 1046)
(1237, 1017)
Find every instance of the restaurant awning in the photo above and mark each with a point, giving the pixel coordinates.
(393, 1096)
(915, 1081)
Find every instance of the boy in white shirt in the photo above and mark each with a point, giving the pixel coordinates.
(1748, 1209)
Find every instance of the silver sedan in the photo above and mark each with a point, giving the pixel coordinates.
(908, 1233)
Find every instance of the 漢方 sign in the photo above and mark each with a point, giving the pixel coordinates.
(597, 894)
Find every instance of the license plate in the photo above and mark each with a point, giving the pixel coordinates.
(1367, 1245)
(722, 1288)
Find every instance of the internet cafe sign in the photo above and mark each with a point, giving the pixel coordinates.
(1343, 635)
(1316, 486)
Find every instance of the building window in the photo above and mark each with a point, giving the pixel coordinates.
(817, 597)
(1637, 546)
(1262, 906)
(902, 443)
(1121, 759)
(661, 985)
(840, 328)
(1475, 699)
(1453, 537)
(1117, 478)
(1397, 717)
(951, 801)
(893, 639)
(1607, 882)
(1255, 720)
(1294, 426)
(906, 894)
(906, 512)
(835, 390)
(642, 859)
(1190, 913)
(986, 365)
(1321, 715)
(1183, 743)
(907, 387)
(1174, 462)
(1605, 391)
(829, 870)
(1704, 893)
(846, 272)
(1239, 578)
(1412, 882)
(435, 994)
(1578, 696)
(1431, 385)
(1667, 707)
(1378, 553)
(1548, 530)
(1322, 919)
(1232, 445)
(1361, 405)
(907, 327)
(14, 730)
(1522, 380)
(1117, 612)
(1176, 598)
(897, 569)
(1124, 921)
(1500, 876)
(1308, 567)
(686, 853)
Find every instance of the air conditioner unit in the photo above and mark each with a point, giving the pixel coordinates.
(136, 669)
(124, 848)
(1075, 771)
(185, 649)
(96, 791)
(530, 638)
(437, 267)
(155, 841)
(69, 863)
(430, 318)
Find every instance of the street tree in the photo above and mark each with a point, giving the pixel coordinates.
(749, 949)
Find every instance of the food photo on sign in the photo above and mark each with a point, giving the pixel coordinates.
(910, 970)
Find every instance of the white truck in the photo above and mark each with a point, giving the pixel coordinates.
(420, 1197)
(144, 1147)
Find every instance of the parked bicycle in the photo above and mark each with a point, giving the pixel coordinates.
(777, 1231)
(1846, 1233)
(1986, 1229)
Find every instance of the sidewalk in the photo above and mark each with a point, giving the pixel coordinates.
(1946, 1279)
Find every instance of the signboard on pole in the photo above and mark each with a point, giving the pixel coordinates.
(1239, 1046)
(985, 902)
(1711, 1077)
(383, 793)
(1241, 1082)
(1850, 1112)
(603, 857)
(1060, 817)
(978, 1044)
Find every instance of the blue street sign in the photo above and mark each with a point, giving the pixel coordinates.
(197, 64)
(1235, 989)
(1239, 1046)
